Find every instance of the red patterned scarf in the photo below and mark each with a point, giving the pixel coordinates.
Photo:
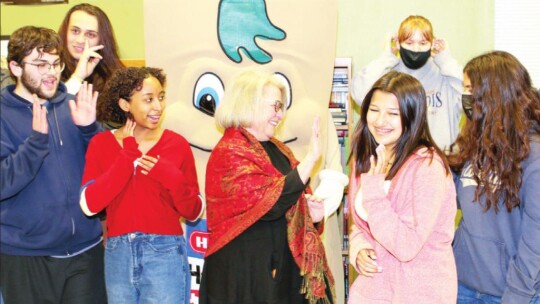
(242, 185)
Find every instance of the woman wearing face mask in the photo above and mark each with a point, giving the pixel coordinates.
(497, 243)
(416, 51)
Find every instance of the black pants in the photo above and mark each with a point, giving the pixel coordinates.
(39, 280)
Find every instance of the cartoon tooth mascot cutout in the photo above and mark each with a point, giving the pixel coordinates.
(202, 44)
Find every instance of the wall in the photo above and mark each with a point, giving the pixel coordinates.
(126, 17)
(518, 38)
(363, 24)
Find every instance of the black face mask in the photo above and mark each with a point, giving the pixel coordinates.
(414, 60)
(467, 104)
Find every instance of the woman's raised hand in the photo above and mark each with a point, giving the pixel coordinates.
(315, 143)
(378, 165)
(129, 128)
(314, 152)
(88, 61)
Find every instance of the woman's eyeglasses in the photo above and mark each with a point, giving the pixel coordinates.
(278, 105)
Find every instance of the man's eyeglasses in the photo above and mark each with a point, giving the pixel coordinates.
(278, 105)
(44, 67)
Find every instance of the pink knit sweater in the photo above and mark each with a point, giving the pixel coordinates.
(411, 230)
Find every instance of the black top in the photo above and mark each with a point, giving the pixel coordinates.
(241, 271)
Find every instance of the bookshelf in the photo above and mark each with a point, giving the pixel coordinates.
(341, 109)
(340, 104)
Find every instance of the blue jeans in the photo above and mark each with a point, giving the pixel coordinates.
(147, 268)
(468, 295)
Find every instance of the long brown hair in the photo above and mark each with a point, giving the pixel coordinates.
(412, 110)
(110, 62)
(506, 110)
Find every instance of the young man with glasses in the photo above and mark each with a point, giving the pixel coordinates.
(50, 251)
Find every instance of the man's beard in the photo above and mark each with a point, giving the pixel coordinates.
(34, 87)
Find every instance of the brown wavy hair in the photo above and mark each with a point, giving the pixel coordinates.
(110, 62)
(506, 110)
(123, 84)
(25, 39)
(412, 109)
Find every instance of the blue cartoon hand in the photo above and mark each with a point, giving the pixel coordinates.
(240, 22)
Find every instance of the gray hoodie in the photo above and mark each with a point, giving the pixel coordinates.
(442, 78)
(499, 253)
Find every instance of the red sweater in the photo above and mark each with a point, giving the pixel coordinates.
(136, 202)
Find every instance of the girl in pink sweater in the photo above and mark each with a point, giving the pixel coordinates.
(402, 199)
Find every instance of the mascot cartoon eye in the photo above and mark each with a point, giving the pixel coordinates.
(208, 93)
(288, 88)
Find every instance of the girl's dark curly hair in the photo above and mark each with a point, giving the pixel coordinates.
(110, 62)
(123, 84)
(506, 111)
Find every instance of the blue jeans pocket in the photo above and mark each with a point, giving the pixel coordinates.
(164, 244)
(112, 243)
(468, 295)
(146, 268)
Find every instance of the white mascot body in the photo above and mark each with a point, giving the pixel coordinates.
(202, 45)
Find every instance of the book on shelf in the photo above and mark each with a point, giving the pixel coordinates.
(341, 133)
(339, 98)
(337, 109)
(338, 114)
(340, 87)
(337, 105)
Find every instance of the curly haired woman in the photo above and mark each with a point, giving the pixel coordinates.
(144, 176)
(497, 244)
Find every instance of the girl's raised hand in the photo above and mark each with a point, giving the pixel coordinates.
(378, 165)
(129, 128)
(88, 61)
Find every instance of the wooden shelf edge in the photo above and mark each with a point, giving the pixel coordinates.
(133, 62)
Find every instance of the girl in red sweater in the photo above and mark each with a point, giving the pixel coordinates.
(144, 177)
